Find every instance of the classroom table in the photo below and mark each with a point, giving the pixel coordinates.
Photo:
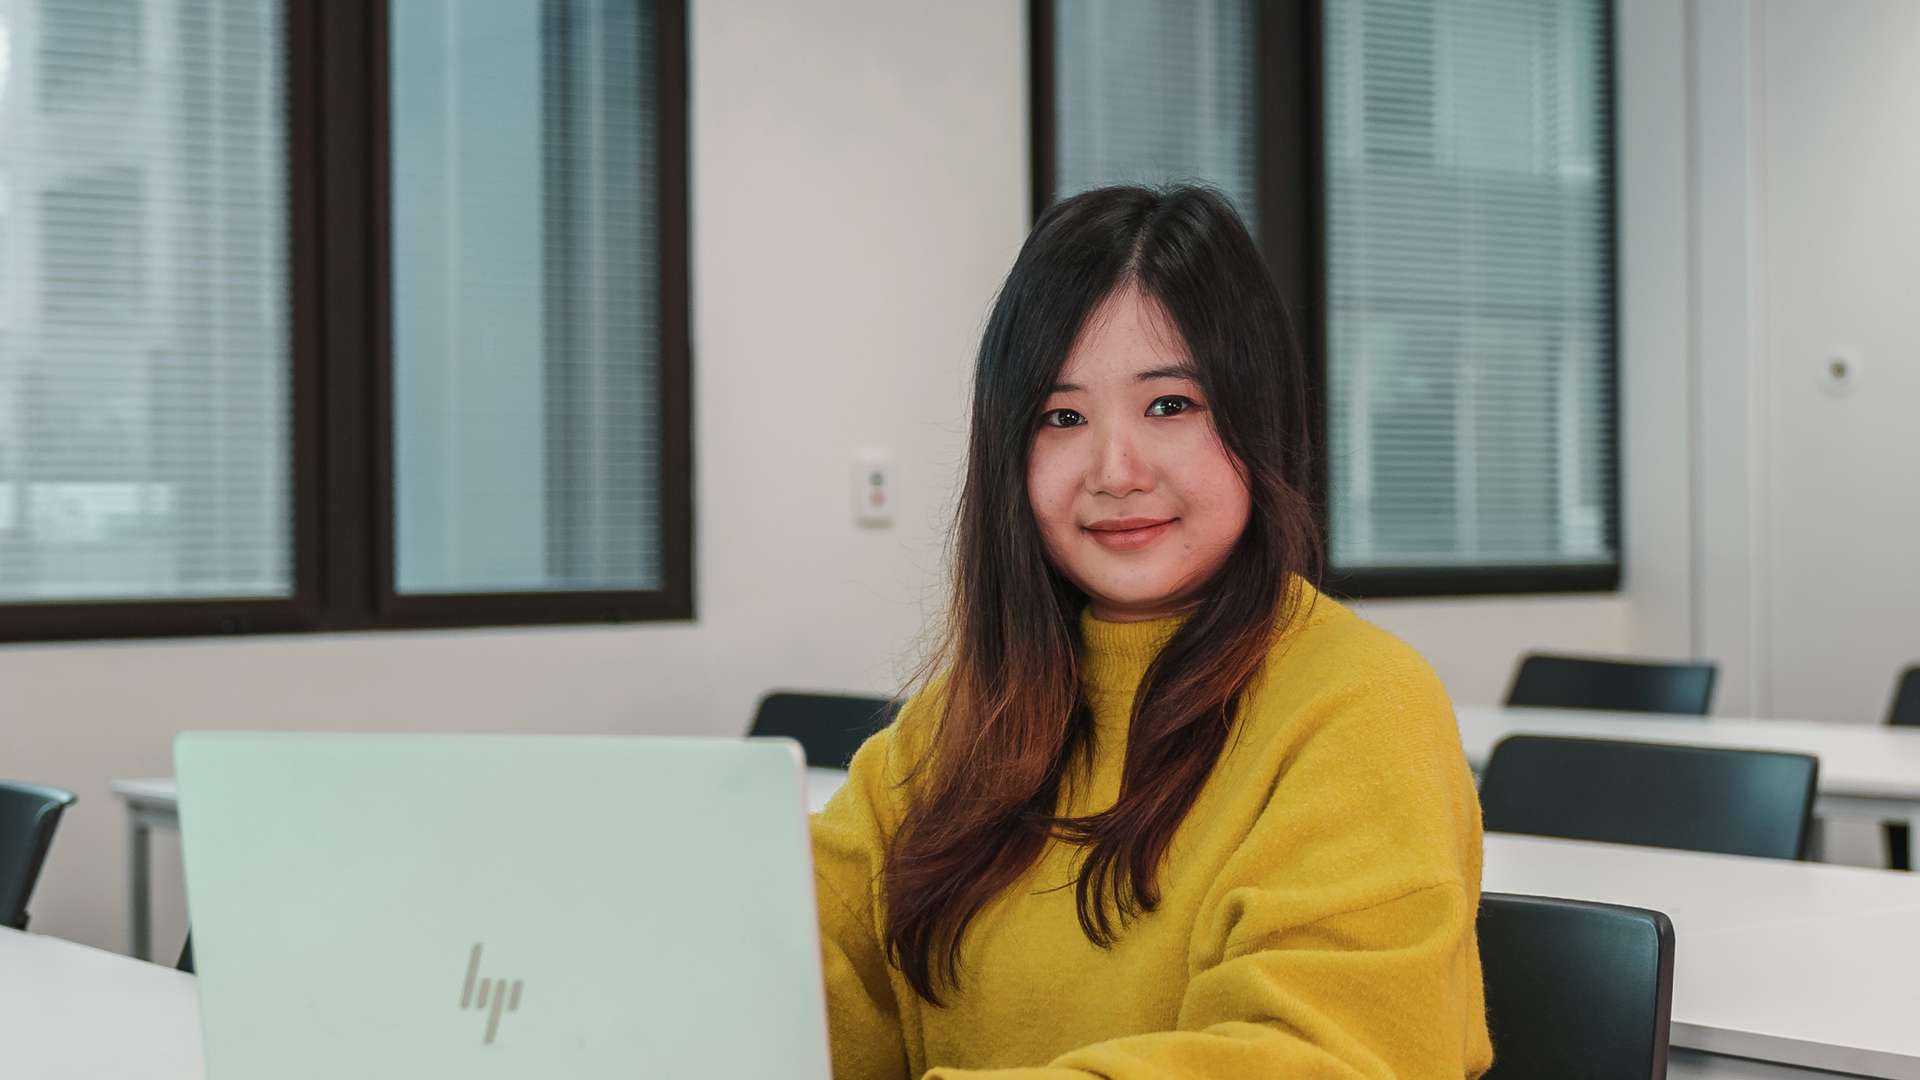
(1780, 968)
(1783, 969)
(70, 1012)
(1869, 772)
(155, 803)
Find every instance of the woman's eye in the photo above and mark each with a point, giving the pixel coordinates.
(1171, 405)
(1061, 418)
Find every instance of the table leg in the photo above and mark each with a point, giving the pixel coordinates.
(139, 897)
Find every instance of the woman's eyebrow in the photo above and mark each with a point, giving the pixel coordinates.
(1177, 371)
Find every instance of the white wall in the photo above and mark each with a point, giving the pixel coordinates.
(1656, 362)
(1730, 393)
(860, 184)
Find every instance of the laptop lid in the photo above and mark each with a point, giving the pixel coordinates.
(501, 906)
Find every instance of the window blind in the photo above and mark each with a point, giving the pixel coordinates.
(527, 419)
(1151, 92)
(145, 414)
(1469, 283)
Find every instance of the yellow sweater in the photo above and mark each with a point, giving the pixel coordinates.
(1317, 913)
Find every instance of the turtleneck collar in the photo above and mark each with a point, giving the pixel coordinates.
(1114, 655)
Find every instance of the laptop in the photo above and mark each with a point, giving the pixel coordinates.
(501, 906)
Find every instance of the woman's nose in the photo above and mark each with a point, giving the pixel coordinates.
(1118, 468)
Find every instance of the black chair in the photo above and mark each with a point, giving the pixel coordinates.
(29, 814)
(186, 955)
(828, 727)
(1905, 712)
(1572, 682)
(1575, 990)
(1739, 802)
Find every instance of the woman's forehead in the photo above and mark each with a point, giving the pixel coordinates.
(1126, 335)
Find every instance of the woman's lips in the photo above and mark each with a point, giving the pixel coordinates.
(1129, 534)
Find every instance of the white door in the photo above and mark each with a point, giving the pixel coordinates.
(1839, 295)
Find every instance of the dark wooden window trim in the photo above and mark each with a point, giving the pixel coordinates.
(1291, 182)
(342, 534)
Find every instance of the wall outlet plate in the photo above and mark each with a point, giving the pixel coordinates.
(873, 493)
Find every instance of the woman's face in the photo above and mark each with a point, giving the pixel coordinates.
(1137, 500)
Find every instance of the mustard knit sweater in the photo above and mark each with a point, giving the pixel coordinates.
(1317, 911)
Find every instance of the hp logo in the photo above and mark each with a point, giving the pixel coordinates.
(491, 994)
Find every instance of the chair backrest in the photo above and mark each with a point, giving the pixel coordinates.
(186, 955)
(29, 814)
(1906, 699)
(1576, 990)
(828, 727)
(1577, 682)
(1738, 802)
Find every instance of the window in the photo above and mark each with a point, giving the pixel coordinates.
(145, 418)
(1469, 286)
(1434, 189)
(340, 315)
(526, 317)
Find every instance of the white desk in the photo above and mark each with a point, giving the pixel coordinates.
(1866, 771)
(1799, 964)
(74, 1013)
(155, 803)
(1807, 966)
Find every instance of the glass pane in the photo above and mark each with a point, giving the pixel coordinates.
(1469, 282)
(144, 351)
(525, 296)
(1151, 92)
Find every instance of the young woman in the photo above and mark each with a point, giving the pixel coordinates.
(1164, 810)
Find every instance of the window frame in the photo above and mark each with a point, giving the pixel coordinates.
(341, 366)
(1291, 182)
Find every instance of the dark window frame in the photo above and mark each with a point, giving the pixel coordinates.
(1291, 184)
(341, 372)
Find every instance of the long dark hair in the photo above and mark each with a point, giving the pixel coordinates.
(984, 796)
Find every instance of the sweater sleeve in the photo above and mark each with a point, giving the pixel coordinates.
(1338, 940)
(863, 1014)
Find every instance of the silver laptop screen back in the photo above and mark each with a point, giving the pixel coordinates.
(501, 906)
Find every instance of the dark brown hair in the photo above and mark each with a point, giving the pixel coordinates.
(983, 798)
